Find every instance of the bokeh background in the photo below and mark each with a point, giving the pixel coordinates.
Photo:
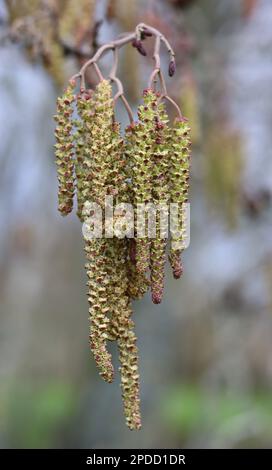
(205, 352)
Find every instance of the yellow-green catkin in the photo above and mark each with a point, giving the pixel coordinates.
(103, 174)
(97, 162)
(122, 330)
(179, 189)
(117, 254)
(116, 178)
(99, 302)
(138, 284)
(128, 356)
(224, 166)
(65, 150)
(77, 18)
(140, 143)
(85, 107)
(53, 58)
(161, 198)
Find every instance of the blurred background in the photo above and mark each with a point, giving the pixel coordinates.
(205, 352)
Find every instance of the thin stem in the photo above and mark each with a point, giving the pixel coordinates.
(141, 32)
(156, 57)
(120, 94)
(118, 43)
(163, 84)
(128, 108)
(176, 106)
(98, 72)
(113, 71)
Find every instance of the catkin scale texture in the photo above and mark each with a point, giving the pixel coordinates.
(141, 138)
(82, 124)
(179, 189)
(161, 197)
(65, 150)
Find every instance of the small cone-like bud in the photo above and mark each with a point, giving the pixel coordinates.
(172, 68)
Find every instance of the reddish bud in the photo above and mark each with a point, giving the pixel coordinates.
(139, 46)
(172, 68)
(156, 297)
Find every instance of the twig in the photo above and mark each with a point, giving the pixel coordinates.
(141, 32)
(176, 106)
(157, 60)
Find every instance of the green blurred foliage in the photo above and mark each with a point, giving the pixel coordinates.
(35, 414)
(242, 418)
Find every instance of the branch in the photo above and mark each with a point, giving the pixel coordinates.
(141, 33)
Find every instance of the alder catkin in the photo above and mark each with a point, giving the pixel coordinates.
(98, 153)
(99, 310)
(83, 124)
(140, 142)
(161, 197)
(179, 174)
(65, 150)
(122, 330)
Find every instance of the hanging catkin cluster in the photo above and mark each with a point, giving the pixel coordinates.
(148, 165)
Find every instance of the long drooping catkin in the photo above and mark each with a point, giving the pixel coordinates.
(83, 124)
(128, 354)
(65, 150)
(122, 330)
(179, 189)
(161, 197)
(100, 145)
(94, 169)
(99, 310)
(140, 143)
